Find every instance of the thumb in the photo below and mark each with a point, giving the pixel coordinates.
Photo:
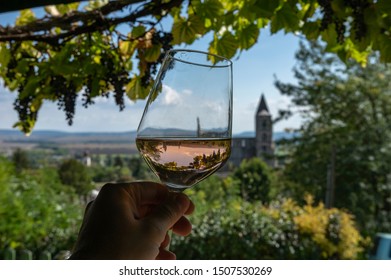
(164, 216)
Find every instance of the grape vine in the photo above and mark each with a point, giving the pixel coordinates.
(357, 26)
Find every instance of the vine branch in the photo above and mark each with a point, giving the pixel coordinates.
(81, 22)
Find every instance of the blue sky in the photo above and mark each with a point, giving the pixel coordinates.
(254, 72)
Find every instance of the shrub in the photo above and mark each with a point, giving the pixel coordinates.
(255, 179)
(282, 230)
(37, 212)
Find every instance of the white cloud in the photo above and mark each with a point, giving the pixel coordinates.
(213, 107)
(170, 96)
(187, 92)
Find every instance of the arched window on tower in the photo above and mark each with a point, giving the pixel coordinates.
(264, 124)
(264, 137)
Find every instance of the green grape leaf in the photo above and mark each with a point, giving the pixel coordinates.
(62, 69)
(5, 56)
(135, 90)
(338, 6)
(94, 87)
(186, 31)
(311, 30)
(285, 18)
(330, 36)
(127, 48)
(138, 31)
(22, 66)
(25, 16)
(248, 36)
(66, 8)
(210, 9)
(153, 53)
(30, 87)
(266, 8)
(26, 126)
(225, 46)
(36, 104)
(352, 51)
(384, 6)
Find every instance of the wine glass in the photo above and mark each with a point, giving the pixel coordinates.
(185, 132)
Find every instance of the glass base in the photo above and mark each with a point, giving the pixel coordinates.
(175, 188)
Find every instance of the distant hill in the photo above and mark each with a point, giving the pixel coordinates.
(52, 136)
(276, 135)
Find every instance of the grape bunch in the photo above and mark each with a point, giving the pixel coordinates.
(109, 76)
(65, 92)
(329, 17)
(355, 10)
(358, 25)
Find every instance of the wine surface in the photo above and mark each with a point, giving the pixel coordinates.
(180, 163)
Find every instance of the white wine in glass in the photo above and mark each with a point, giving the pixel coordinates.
(186, 128)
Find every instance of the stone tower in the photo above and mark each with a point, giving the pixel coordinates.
(263, 131)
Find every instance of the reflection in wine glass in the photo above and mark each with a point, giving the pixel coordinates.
(185, 132)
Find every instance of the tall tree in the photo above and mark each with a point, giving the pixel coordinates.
(115, 46)
(76, 175)
(255, 179)
(348, 129)
(20, 159)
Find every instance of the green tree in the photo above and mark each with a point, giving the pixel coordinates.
(75, 174)
(20, 159)
(118, 161)
(255, 179)
(139, 168)
(83, 49)
(347, 109)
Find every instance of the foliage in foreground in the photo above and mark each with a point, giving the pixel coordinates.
(40, 214)
(37, 212)
(234, 229)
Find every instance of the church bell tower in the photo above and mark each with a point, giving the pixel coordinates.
(263, 131)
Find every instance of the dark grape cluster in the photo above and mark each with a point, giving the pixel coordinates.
(10, 69)
(327, 14)
(113, 74)
(65, 92)
(23, 107)
(118, 81)
(23, 103)
(329, 17)
(86, 95)
(358, 26)
(117, 77)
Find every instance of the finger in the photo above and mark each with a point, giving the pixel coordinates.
(88, 206)
(165, 215)
(165, 255)
(147, 192)
(191, 208)
(182, 227)
(166, 241)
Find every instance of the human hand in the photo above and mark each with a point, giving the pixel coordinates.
(131, 220)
